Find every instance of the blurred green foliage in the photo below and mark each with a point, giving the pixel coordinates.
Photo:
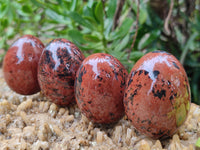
(90, 25)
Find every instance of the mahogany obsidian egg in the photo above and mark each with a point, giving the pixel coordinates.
(21, 63)
(57, 69)
(99, 88)
(157, 95)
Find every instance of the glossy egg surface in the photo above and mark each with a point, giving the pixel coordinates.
(157, 95)
(57, 69)
(21, 63)
(99, 88)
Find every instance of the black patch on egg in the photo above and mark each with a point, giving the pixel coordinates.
(139, 85)
(100, 78)
(80, 75)
(158, 93)
(135, 92)
(89, 102)
(122, 84)
(148, 121)
(61, 61)
(138, 120)
(171, 97)
(55, 90)
(64, 74)
(69, 58)
(156, 73)
(131, 80)
(149, 129)
(116, 74)
(125, 95)
(163, 82)
(70, 82)
(160, 133)
(143, 127)
(175, 94)
(145, 72)
(175, 65)
(47, 59)
(140, 72)
(111, 114)
(62, 53)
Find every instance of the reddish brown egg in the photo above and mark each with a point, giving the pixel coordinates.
(21, 63)
(157, 95)
(99, 88)
(57, 70)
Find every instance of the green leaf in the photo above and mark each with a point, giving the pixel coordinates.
(73, 5)
(87, 11)
(10, 32)
(76, 36)
(4, 9)
(36, 3)
(148, 38)
(187, 46)
(136, 55)
(108, 23)
(143, 10)
(37, 17)
(55, 16)
(111, 8)
(143, 14)
(99, 12)
(29, 31)
(91, 38)
(122, 44)
(123, 29)
(117, 54)
(179, 35)
(59, 2)
(4, 23)
(79, 19)
(90, 20)
(27, 9)
(2, 42)
(198, 143)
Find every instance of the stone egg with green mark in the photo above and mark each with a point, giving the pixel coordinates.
(157, 96)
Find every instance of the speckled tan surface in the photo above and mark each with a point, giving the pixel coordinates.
(32, 122)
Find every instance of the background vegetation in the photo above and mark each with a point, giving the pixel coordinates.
(125, 29)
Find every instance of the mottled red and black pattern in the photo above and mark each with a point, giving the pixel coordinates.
(99, 88)
(57, 69)
(157, 95)
(21, 63)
